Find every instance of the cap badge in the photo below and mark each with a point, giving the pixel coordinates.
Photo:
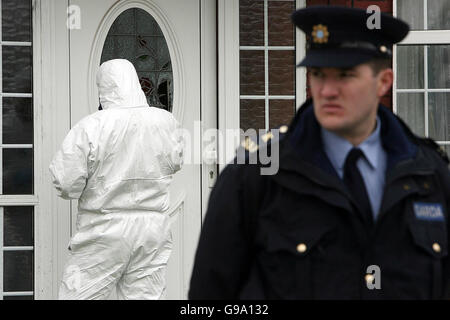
(320, 34)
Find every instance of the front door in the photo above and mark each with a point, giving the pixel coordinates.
(162, 39)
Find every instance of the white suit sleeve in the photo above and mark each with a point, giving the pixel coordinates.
(69, 167)
(175, 145)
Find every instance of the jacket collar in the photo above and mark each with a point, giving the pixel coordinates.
(303, 141)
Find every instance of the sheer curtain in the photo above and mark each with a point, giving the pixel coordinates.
(419, 93)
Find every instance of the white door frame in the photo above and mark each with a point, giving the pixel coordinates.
(52, 122)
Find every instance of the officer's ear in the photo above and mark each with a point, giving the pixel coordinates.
(385, 78)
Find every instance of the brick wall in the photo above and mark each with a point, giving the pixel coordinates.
(385, 6)
(268, 62)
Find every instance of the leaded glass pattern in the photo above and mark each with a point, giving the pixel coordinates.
(16, 151)
(136, 36)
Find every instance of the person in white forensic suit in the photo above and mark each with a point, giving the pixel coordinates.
(119, 163)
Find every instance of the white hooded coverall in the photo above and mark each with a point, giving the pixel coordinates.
(119, 163)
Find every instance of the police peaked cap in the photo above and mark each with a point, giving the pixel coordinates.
(342, 37)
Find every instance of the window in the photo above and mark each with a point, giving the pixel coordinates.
(17, 152)
(267, 63)
(422, 87)
(136, 36)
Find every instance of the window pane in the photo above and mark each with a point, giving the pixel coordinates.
(282, 72)
(281, 112)
(281, 29)
(17, 72)
(17, 120)
(411, 11)
(18, 226)
(251, 23)
(410, 67)
(124, 24)
(158, 47)
(252, 115)
(164, 88)
(16, 20)
(439, 115)
(410, 107)
(252, 72)
(17, 171)
(438, 14)
(119, 47)
(146, 27)
(439, 66)
(136, 36)
(18, 271)
(18, 298)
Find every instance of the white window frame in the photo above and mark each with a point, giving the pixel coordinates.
(424, 38)
(228, 71)
(15, 200)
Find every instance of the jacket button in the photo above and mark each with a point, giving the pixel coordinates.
(406, 187)
(301, 248)
(436, 247)
(369, 278)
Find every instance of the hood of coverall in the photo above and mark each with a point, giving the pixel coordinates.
(118, 85)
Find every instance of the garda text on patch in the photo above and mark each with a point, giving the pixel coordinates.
(428, 211)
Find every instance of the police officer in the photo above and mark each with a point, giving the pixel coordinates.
(359, 206)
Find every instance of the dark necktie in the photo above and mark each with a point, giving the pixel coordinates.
(355, 183)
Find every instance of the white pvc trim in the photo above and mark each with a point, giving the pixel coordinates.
(266, 64)
(1, 135)
(18, 294)
(16, 95)
(300, 76)
(422, 90)
(425, 74)
(277, 48)
(228, 73)
(19, 248)
(16, 146)
(1, 240)
(270, 97)
(425, 14)
(427, 37)
(15, 43)
(19, 200)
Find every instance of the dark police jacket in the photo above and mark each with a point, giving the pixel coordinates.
(298, 235)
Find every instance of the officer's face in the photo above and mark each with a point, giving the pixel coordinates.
(346, 100)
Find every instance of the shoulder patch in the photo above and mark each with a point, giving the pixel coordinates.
(428, 211)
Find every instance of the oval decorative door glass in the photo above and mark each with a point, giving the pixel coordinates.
(136, 36)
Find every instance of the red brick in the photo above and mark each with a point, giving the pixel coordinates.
(385, 6)
(345, 3)
(316, 2)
